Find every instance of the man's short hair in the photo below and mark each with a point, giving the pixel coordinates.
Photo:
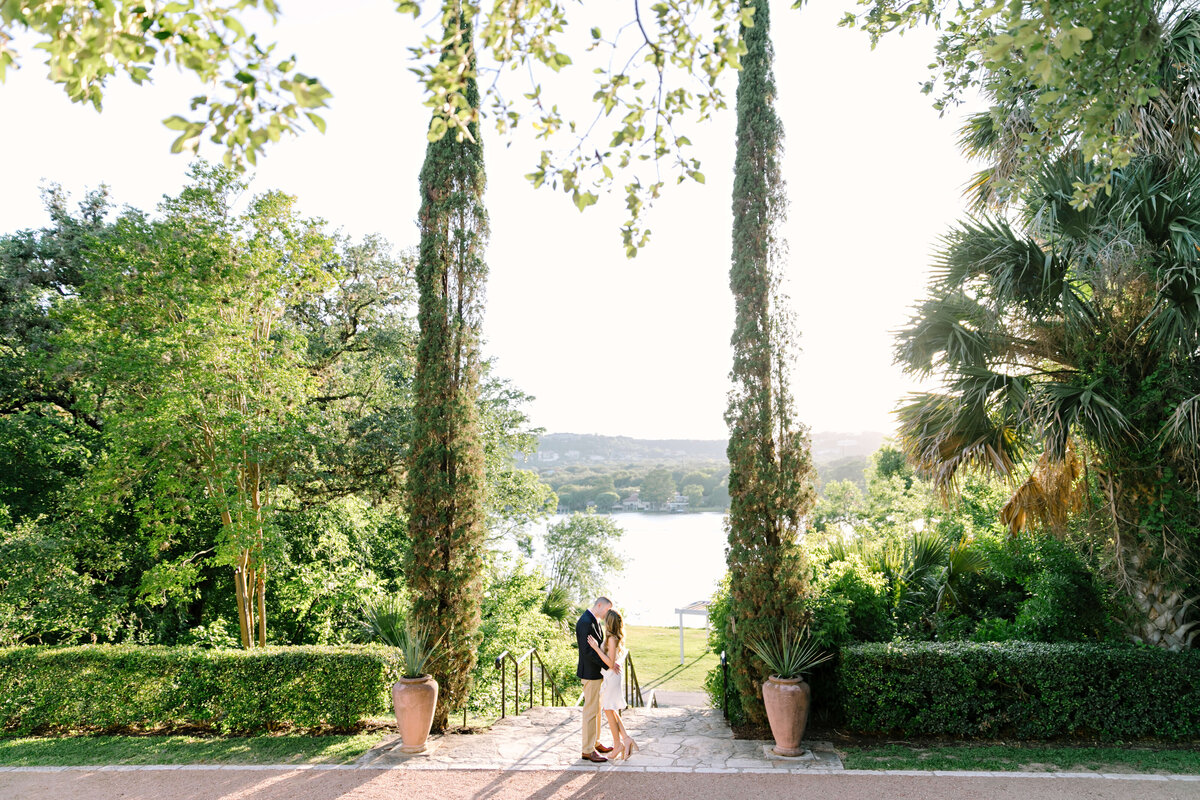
(602, 599)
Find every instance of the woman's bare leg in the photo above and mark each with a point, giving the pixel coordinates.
(615, 728)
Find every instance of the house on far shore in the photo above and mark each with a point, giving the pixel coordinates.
(631, 503)
(679, 503)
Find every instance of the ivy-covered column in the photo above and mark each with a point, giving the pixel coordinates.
(770, 469)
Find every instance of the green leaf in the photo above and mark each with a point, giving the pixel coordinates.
(235, 26)
(176, 123)
(437, 129)
(317, 121)
(584, 199)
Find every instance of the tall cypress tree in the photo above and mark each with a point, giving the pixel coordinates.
(770, 470)
(446, 470)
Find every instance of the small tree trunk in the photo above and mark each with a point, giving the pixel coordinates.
(239, 585)
(262, 608)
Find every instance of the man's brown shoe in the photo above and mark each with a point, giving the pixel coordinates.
(602, 749)
(595, 757)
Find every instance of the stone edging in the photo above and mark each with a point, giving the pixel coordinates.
(580, 768)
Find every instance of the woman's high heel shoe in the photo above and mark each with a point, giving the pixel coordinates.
(631, 747)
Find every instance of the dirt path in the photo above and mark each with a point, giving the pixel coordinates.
(366, 784)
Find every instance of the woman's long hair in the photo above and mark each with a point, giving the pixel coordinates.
(614, 626)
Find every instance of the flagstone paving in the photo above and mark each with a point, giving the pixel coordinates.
(673, 739)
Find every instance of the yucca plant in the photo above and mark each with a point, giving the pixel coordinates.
(385, 620)
(418, 654)
(786, 657)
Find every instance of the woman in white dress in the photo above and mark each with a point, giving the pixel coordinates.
(612, 696)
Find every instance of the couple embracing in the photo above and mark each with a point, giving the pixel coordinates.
(600, 634)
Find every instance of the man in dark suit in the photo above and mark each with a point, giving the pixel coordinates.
(590, 664)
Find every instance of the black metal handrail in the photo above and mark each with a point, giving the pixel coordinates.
(633, 689)
(530, 655)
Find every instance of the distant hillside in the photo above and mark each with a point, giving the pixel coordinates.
(838, 456)
(570, 448)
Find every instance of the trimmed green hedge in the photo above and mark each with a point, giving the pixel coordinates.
(1020, 690)
(102, 687)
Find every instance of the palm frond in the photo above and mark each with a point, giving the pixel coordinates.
(1005, 395)
(941, 434)
(1049, 495)
(979, 135)
(961, 560)
(1169, 123)
(384, 619)
(1180, 436)
(1050, 205)
(1060, 408)
(945, 330)
(927, 551)
(557, 603)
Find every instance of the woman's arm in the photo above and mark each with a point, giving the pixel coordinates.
(609, 660)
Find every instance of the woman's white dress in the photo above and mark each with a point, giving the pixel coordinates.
(612, 695)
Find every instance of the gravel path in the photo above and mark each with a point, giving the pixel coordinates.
(399, 784)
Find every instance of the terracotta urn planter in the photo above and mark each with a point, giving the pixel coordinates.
(414, 700)
(787, 701)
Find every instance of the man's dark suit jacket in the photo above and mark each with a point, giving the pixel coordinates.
(590, 662)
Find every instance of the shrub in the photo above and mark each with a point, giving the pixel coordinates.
(103, 687)
(714, 681)
(1021, 690)
(867, 608)
(513, 620)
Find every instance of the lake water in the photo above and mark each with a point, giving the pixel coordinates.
(670, 560)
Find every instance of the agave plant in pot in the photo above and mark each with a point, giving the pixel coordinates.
(786, 695)
(414, 696)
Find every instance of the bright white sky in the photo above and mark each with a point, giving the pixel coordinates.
(607, 345)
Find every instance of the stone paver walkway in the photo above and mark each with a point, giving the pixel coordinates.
(673, 739)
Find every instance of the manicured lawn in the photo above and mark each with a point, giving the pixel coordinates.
(84, 750)
(1022, 758)
(656, 658)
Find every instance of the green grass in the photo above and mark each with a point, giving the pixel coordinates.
(656, 658)
(84, 750)
(1022, 758)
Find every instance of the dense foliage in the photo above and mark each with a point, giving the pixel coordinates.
(99, 687)
(1020, 690)
(1071, 341)
(770, 470)
(205, 373)
(516, 617)
(121, 338)
(445, 493)
(897, 564)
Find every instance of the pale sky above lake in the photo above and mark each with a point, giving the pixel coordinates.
(607, 345)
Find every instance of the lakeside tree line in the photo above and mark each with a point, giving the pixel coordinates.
(578, 488)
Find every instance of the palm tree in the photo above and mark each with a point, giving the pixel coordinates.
(1068, 338)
